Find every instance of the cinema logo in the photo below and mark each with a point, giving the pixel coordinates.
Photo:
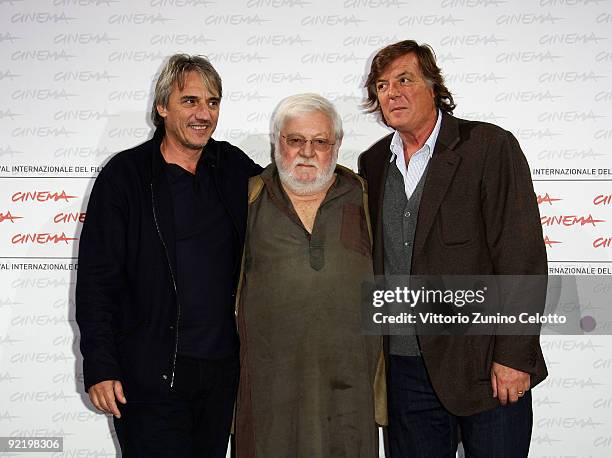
(248, 96)
(373, 4)
(527, 19)
(8, 216)
(40, 396)
(235, 20)
(569, 154)
(527, 96)
(471, 40)
(138, 19)
(369, 40)
(525, 57)
(38, 320)
(136, 56)
(236, 57)
(569, 383)
(429, 20)
(180, 39)
(544, 439)
(547, 199)
(68, 377)
(40, 357)
(602, 242)
(473, 78)
(567, 423)
(276, 40)
(570, 220)
(570, 77)
(84, 2)
(536, 134)
(83, 39)
(81, 152)
(332, 20)
(41, 94)
(276, 78)
(181, 3)
(128, 132)
(41, 18)
(84, 76)
(42, 55)
(570, 39)
(41, 132)
(276, 3)
(41, 283)
(330, 58)
(41, 238)
(74, 217)
(42, 196)
(470, 3)
(568, 116)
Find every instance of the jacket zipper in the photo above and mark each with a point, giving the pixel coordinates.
(178, 304)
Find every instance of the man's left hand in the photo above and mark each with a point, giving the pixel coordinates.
(508, 384)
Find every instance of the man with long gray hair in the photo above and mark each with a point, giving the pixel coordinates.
(159, 258)
(308, 375)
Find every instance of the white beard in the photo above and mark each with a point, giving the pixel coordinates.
(304, 188)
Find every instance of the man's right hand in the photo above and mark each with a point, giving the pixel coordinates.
(103, 396)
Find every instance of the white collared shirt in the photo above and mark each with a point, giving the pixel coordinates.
(419, 160)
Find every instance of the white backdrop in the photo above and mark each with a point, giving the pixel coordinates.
(75, 87)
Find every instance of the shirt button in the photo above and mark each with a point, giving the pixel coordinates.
(406, 243)
(407, 214)
(164, 376)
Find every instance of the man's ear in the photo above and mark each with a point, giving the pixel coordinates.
(161, 110)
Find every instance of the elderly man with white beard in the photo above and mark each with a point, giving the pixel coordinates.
(311, 383)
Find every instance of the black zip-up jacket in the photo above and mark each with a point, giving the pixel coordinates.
(127, 307)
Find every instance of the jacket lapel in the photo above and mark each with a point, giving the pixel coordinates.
(376, 184)
(441, 170)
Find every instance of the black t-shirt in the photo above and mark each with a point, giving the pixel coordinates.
(205, 255)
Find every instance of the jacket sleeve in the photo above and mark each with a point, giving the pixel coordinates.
(100, 279)
(516, 245)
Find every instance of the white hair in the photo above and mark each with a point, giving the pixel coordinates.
(300, 104)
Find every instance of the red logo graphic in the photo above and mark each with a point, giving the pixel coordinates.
(603, 199)
(569, 220)
(41, 196)
(69, 217)
(602, 242)
(41, 239)
(546, 198)
(550, 243)
(8, 217)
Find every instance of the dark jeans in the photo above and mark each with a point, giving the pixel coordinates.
(194, 421)
(420, 427)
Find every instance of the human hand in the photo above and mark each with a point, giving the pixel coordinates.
(103, 395)
(508, 384)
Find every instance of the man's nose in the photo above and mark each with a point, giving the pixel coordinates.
(203, 113)
(308, 150)
(393, 90)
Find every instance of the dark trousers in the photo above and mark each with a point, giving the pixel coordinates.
(194, 421)
(420, 427)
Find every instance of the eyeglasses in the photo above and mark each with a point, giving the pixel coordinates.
(320, 145)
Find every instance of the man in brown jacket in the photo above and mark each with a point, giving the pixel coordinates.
(450, 197)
